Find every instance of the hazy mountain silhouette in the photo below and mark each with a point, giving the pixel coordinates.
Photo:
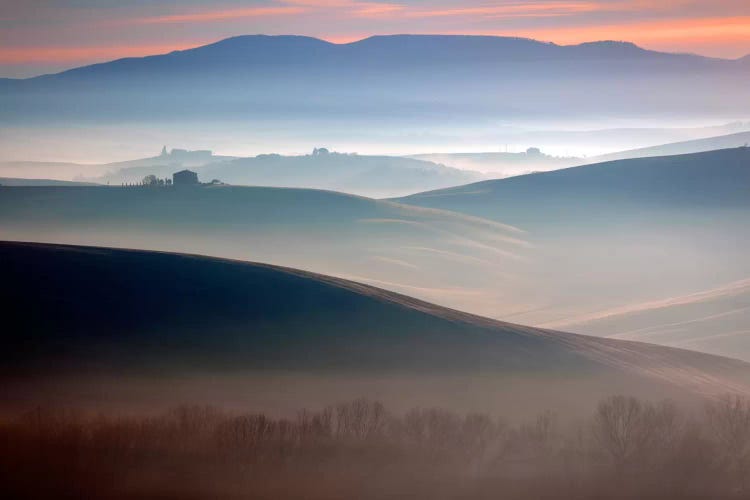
(130, 313)
(503, 164)
(240, 52)
(385, 76)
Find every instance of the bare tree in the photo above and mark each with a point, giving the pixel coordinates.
(433, 431)
(621, 427)
(360, 419)
(729, 421)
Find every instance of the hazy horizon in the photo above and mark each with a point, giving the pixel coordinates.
(115, 143)
(153, 51)
(51, 39)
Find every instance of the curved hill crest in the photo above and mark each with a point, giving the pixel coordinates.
(115, 311)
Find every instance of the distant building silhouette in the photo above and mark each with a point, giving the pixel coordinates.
(534, 152)
(185, 155)
(185, 178)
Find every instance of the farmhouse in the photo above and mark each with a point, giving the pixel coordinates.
(185, 178)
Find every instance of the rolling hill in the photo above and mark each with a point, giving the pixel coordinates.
(88, 313)
(712, 179)
(439, 256)
(714, 320)
(503, 164)
(366, 175)
(15, 181)
(375, 176)
(676, 141)
(727, 141)
(61, 171)
(611, 236)
(648, 248)
(129, 171)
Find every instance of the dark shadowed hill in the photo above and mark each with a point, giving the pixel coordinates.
(618, 235)
(673, 142)
(708, 180)
(436, 255)
(98, 308)
(98, 312)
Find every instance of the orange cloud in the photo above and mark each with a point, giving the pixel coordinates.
(322, 4)
(513, 10)
(357, 8)
(695, 30)
(382, 9)
(290, 7)
(723, 36)
(222, 15)
(375, 9)
(32, 55)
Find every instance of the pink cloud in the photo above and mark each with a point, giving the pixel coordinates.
(354, 7)
(511, 10)
(222, 15)
(663, 25)
(57, 54)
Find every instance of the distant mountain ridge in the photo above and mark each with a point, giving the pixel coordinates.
(291, 49)
(293, 76)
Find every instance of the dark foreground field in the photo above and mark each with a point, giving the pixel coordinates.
(625, 448)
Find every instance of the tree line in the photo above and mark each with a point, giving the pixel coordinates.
(627, 448)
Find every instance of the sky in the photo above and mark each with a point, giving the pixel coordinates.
(43, 36)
